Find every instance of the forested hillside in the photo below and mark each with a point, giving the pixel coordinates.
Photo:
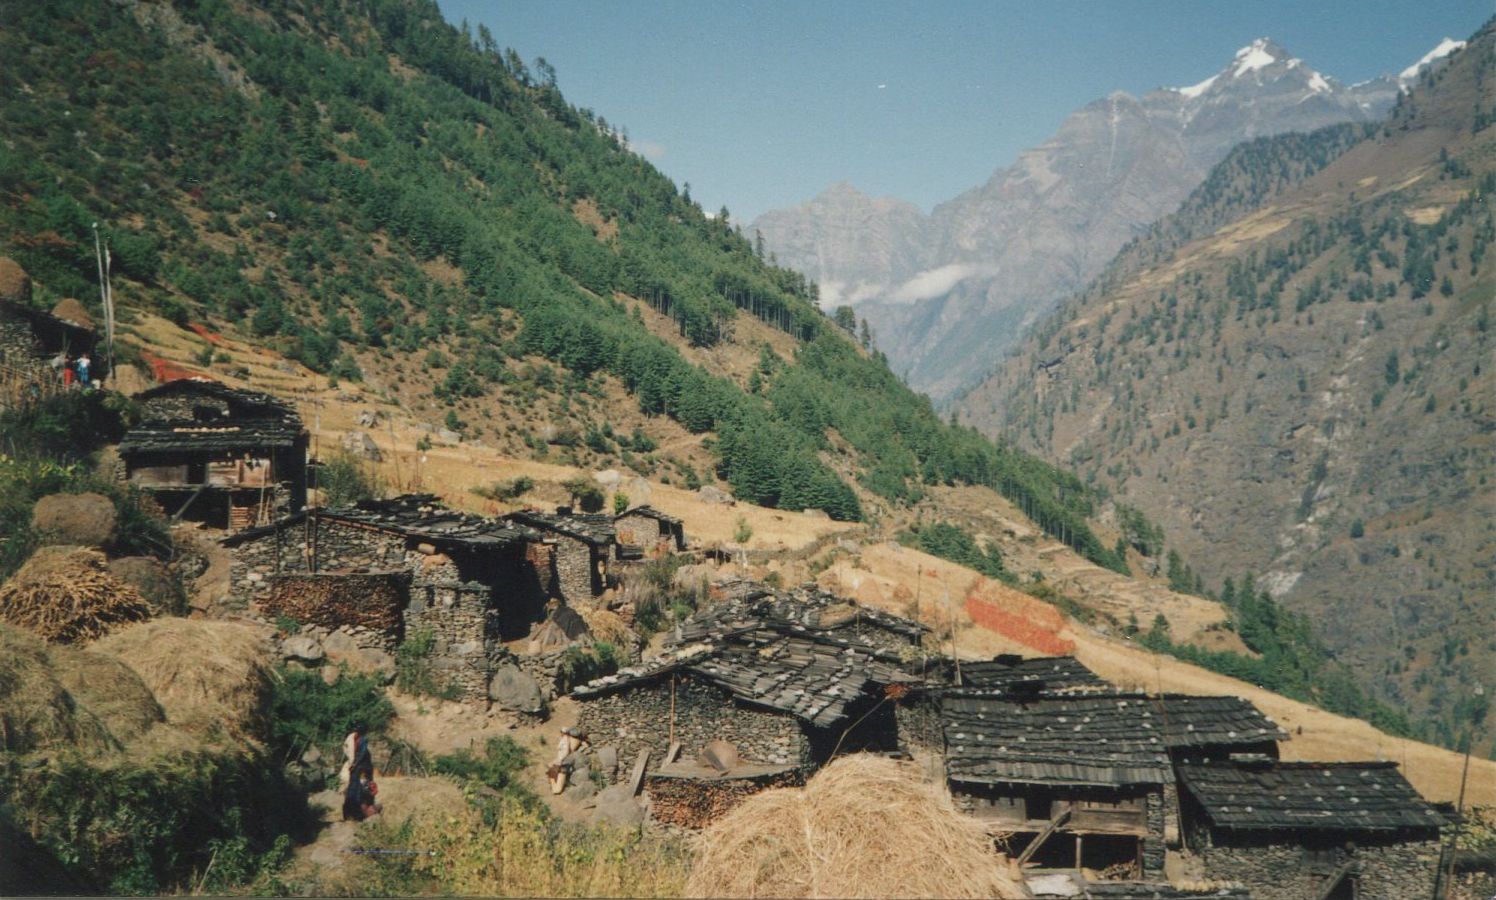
(383, 196)
(1292, 376)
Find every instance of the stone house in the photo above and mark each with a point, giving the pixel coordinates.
(30, 338)
(743, 603)
(1077, 781)
(474, 582)
(1310, 831)
(785, 702)
(649, 531)
(581, 547)
(211, 453)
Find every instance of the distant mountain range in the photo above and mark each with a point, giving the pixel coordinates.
(1292, 375)
(947, 293)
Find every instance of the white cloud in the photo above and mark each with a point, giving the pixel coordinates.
(935, 282)
(837, 293)
(647, 149)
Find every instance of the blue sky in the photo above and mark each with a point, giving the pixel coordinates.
(760, 105)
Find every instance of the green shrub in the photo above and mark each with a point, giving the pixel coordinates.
(345, 480)
(579, 665)
(306, 711)
(506, 491)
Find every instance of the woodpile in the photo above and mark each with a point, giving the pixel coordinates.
(370, 600)
(66, 594)
(698, 802)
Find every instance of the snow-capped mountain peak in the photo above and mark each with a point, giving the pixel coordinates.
(1259, 54)
(1407, 76)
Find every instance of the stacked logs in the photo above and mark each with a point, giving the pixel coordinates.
(371, 600)
(697, 802)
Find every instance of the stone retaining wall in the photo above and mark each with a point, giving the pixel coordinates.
(639, 717)
(1283, 871)
(577, 580)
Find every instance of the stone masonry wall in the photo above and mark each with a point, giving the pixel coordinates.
(918, 724)
(1153, 844)
(639, 717)
(337, 546)
(575, 575)
(460, 621)
(1273, 871)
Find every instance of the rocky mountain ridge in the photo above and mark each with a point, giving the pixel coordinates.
(1302, 390)
(946, 293)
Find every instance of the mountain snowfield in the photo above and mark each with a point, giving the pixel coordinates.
(947, 293)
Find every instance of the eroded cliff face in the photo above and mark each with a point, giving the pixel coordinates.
(1306, 394)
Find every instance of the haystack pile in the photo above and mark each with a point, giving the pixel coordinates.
(864, 826)
(15, 284)
(211, 677)
(60, 698)
(66, 594)
(70, 309)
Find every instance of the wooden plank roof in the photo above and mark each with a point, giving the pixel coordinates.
(1192, 721)
(413, 516)
(596, 530)
(816, 681)
(747, 604)
(1305, 796)
(1048, 673)
(1104, 740)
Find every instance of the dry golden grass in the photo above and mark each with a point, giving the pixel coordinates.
(66, 594)
(864, 826)
(211, 677)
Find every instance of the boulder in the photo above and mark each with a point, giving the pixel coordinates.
(607, 761)
(154, 581)
(815, 513)
(448, 435)
(581, 787)
(511, 688)
(341, 648)
(608, 480)
(367, 419)
(84, 519)
(638, 491)
(359, 444)
(15, 284)
(302, 648)
(720, 755)
(712, 494)
(618, 806)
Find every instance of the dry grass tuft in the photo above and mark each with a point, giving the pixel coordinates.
(864, 826)
(212, 678)
(66, 594)
(36, 710)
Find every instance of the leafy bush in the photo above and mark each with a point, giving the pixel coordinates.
(306, 711)
(584, 493)
(580, 665)
(345, 480)
(500, 768)
(506, 491)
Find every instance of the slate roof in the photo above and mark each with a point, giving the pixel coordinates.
(1302, 796)
(256, 422)
(414, 516)
(815, 681)
(1073, 885)
(747, 605)
(1191, 721)
(1105, 740)
(594, 529)
(651, 513)
(1048, 673)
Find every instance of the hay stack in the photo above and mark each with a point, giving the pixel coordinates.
(70, 309)
(86, 519)
(864, 826)
(109, 690)
(66, 594)
(36, 711)
(212, 678)
(15, 284)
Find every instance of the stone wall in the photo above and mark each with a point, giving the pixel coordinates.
(337, 546)
(19, 348)
(639, 717)
(374, 601)
(182, 407)
(462, 626)
(577, 578)
(1153, 844)
(918, 720)
(1283, 871)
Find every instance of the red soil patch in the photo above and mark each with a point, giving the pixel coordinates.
(164, 370)
(205, 333)
(1018, 617)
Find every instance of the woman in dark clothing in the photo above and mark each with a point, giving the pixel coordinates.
(363, 761)
(353, 801)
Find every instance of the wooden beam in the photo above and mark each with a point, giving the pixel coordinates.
(637, 778)
(1335, 878)
(1059, 819)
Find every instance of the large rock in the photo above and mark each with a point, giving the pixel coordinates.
(341, 648)
(511, 688)
(15, 284)
(608, 480)
(638, 491)
(715, 495)
(448, 435)
(84, 519)
(154, 581)
(618, 806)
(359, 444)
(302, 648)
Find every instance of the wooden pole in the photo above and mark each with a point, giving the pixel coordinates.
(1454, 839)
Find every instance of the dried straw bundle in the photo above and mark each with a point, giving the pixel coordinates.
(66, 594)
(36, 711)
(864, 826)
(212, 678)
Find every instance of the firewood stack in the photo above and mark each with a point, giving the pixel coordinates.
(697, 802)
(371, 600)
